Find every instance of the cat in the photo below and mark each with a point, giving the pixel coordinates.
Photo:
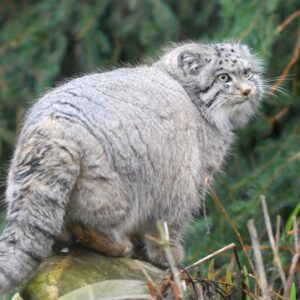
(117, 151)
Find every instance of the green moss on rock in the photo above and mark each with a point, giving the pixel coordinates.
(62, 274)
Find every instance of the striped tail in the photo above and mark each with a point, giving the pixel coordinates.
(41, 178)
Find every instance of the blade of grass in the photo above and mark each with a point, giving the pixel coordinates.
(277, 236)
(289, 223)
(220, 206)
(295, 260)
(293, 295)
(247, 282)
(211, 270)
(276, 256)
(165, 242)
(258, 260)
(153, 289)
(200, 261)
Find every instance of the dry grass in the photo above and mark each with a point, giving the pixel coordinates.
(237, 282)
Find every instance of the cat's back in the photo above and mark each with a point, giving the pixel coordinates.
(123, 94)
(138, 117)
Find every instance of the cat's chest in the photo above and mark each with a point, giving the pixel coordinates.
(213, 153)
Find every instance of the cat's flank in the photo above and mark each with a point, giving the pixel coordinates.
(118, 151)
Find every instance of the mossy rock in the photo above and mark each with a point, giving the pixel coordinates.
(81, 270)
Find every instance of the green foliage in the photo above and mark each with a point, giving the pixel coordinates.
(44, 42)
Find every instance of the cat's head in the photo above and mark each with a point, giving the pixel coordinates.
(223, 80)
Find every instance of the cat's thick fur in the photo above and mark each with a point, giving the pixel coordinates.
(119, 150)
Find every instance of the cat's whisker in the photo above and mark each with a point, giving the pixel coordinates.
(273, 79)
(272, 96)
(282, 91)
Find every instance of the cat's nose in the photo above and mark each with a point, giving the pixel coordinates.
(246, 92)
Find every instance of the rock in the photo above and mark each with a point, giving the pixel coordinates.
(111, 289)
(85, 272)
(16, 297)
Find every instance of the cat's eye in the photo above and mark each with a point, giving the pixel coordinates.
(247, 73)
(224, 77)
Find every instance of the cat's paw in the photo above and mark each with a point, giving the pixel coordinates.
(126, 249)
(156, 254)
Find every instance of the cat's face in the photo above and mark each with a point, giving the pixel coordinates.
(223, 80)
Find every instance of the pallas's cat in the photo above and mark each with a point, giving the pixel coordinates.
(119, 150)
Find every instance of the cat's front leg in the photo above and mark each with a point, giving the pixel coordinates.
(155, 251)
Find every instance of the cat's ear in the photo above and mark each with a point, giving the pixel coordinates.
(189, 62)
(245, 50)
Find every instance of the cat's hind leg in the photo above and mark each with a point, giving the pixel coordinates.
(110, 244)
(100, 211)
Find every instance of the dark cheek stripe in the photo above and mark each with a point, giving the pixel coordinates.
(211, 101)
(206, 89)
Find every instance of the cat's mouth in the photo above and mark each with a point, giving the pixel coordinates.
(240, 101)
(234, 100)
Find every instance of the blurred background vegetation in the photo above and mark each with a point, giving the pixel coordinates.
(45, 42)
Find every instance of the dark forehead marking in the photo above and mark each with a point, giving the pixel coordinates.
(232, 50)
(220, 62)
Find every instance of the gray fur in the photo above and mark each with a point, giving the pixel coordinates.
(119, 150)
